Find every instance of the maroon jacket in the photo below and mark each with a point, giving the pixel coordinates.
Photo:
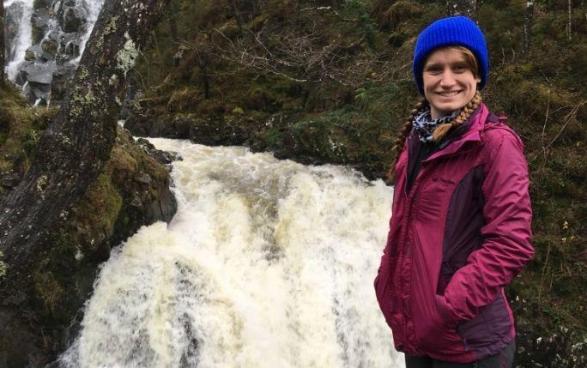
(457, 237)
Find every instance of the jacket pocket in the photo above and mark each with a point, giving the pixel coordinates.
(490, 327)
(447, 316)
(435, 327)
(382, 290)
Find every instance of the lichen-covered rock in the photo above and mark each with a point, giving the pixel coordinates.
(132, 191)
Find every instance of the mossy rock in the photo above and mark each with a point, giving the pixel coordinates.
(49, 297)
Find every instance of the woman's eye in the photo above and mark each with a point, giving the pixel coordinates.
(434, 71)
(460, 69)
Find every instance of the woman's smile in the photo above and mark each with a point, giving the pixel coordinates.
(449, 84)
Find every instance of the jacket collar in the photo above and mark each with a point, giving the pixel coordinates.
(473, 134)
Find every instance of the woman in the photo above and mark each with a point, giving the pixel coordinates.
(460, 226)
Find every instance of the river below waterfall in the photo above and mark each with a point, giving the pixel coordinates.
(267, 263)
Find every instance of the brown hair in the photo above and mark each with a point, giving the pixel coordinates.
(442, 130)
(470, 59)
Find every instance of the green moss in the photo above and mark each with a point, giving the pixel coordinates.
(49, 290)
(184, 99)
(273, 138)
(20, 127)
(105, 201)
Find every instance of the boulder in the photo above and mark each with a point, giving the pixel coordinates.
(41, 23)
(62, 74)
(72, 17)
(41, 73)
(42, 4)
(49, 47)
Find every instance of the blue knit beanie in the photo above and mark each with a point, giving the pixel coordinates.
(451, 31)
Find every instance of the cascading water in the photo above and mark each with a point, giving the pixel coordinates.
(44, 42)
(267, 263)
(19, 35)
(93, 8)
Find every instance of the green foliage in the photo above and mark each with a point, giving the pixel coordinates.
(359, 10)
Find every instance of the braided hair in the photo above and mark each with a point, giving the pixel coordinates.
(442, 130)
(402, 136)
(439, 133)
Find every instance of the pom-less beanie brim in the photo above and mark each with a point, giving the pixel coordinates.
(451, 31)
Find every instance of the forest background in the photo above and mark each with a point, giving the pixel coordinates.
(330, 82)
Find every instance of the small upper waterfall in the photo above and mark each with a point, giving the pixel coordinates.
(44, 42)
(267, 263)
(18, 33)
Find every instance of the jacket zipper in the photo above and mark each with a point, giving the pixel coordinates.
(404, 237)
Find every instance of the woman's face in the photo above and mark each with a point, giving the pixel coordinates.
(449, 83)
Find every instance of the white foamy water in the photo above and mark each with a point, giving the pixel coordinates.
(23, 38)
(93, 8)
(267, 263)
(24, 34)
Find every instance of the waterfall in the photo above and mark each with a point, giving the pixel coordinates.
(267, 263)
(93, 8)
(45, 40)
(23, 10)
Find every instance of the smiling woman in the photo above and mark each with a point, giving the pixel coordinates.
(460, 226)
(450, 80)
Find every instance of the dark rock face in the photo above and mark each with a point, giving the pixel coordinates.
(41, 4)
(9, 180)
(61, 76)
(15, 343)
(71, 17)
(309, 142)
(42, 316)
(163, 157)
(210, 130)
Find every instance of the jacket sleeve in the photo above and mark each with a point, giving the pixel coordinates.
(507, 233)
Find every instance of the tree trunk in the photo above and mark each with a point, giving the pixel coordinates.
(70, 155)
(76, 145)
(570, 23)
(172, 19)
(237, 15)
(528, 19)
(462, 7)
(2, 41)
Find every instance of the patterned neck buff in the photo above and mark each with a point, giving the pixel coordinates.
(424, 125)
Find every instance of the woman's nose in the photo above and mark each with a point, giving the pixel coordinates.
(447, 79)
